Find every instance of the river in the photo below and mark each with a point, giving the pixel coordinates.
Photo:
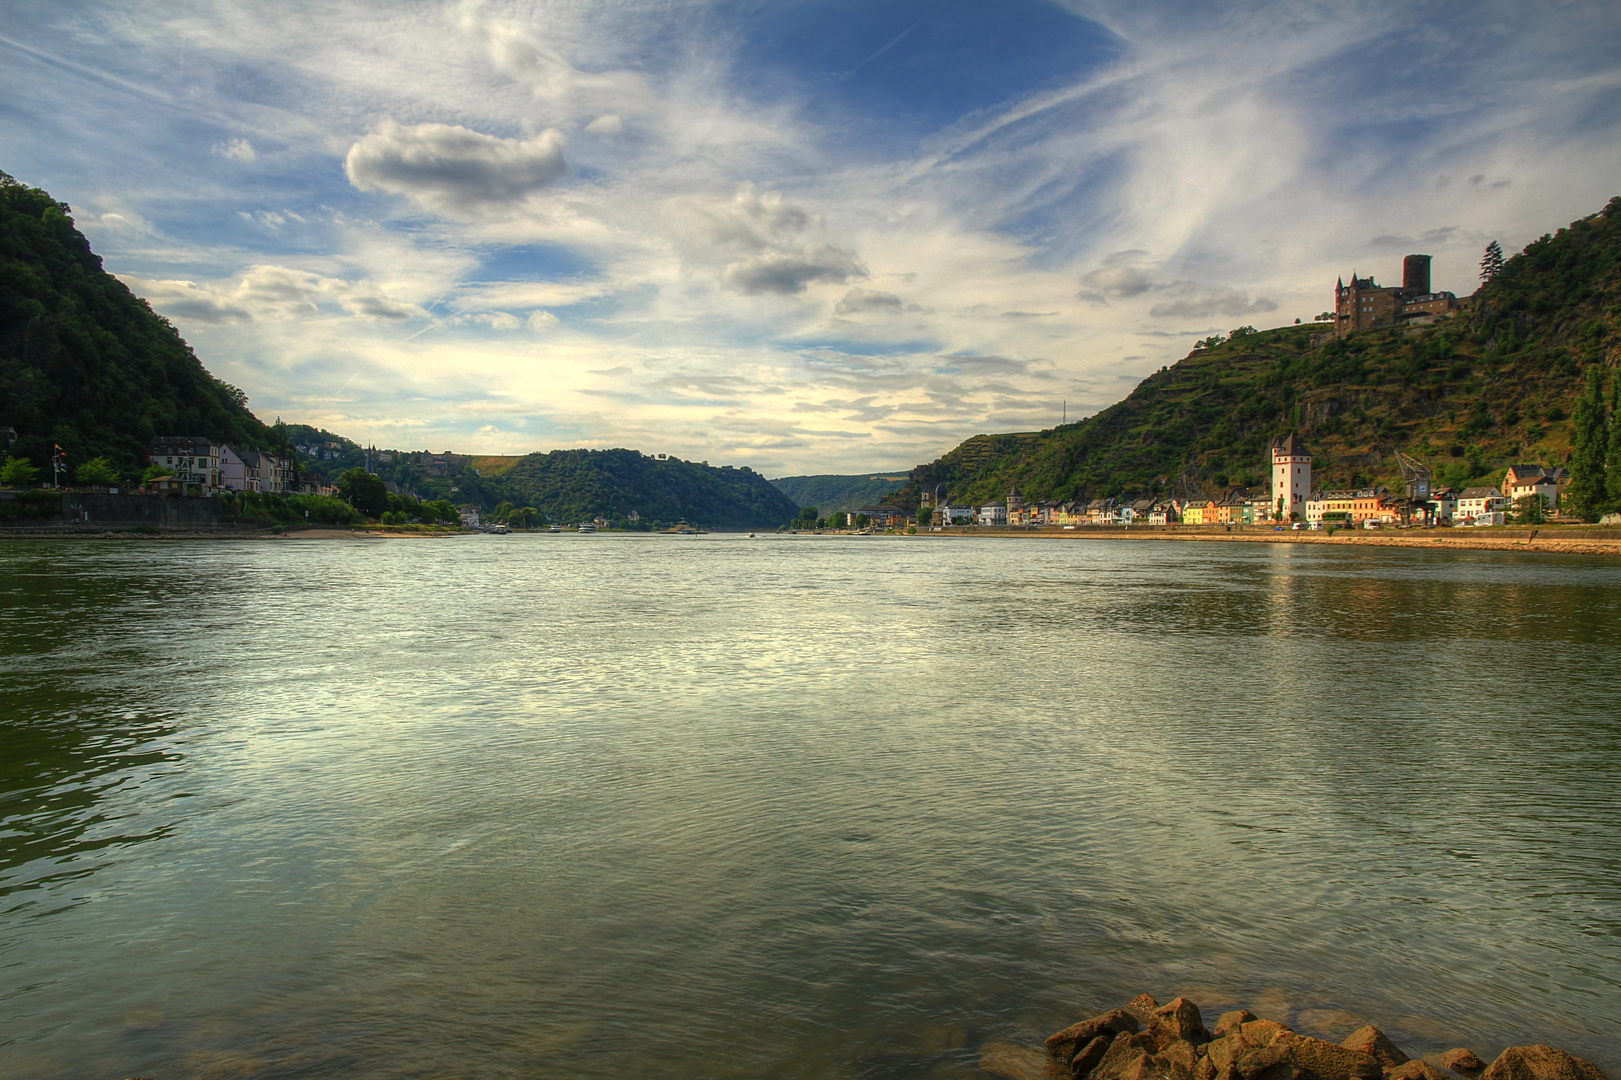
(657, 806)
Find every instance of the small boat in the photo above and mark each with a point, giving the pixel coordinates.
(588, 528)
(555, 528)
(499, 530)
(751, 534)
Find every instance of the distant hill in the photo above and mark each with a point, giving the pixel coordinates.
(830, 492)
(83, 361)
(574, 485)
(1488, 387)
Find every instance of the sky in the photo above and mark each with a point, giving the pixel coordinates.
(806, 236)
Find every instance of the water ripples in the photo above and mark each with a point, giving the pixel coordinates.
(534, 806)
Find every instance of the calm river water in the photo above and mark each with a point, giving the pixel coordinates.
(612, 806)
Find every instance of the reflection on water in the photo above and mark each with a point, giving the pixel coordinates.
(706, 807)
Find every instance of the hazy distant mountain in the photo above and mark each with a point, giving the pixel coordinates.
(1492, 385)
(830, 492)
(83, 361)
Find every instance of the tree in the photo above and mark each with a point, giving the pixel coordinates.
(836, 520)
(1588, 491)
(364, 491)
(924, 515)
(862, 521)
(807, 514)
(17, 470)
(97, 471)
(1612, 458)
(442, 510)
(502, 509)
(154, 471)
(1528, 510)
(1491, 263)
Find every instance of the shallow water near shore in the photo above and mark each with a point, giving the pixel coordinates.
(536, 806)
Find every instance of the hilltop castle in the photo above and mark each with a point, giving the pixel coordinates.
(1363, 305)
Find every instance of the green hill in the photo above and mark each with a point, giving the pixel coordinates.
(832, 492)
(574, 485)
(1492, 385)
(85, 363)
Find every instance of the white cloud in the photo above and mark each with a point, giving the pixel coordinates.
(541, 322)
(447, 166)
(188, 301)
(271, 292)
(790, 271)
(859, 300)
(606, 124)
(1188, 301)
(756, 239)
(1115, 282)
(235, 149)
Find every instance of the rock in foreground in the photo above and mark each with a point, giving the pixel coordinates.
(1144, 1040)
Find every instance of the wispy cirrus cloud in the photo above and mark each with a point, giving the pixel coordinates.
(807, 237)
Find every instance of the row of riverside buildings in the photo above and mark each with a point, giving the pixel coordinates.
(203, 467)
(1288, 499)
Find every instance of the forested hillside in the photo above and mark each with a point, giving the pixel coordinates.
(1492, 385)
(86, 364)
(830, 492)
(576, 485)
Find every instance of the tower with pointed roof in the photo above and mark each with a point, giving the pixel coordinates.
(1291, 477)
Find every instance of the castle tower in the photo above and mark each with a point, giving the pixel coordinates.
(1015, 504)
(1291, 477)
(1415, 274)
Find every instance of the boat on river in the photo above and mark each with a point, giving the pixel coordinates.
(587, 527)
(498, 530)
(556, 528)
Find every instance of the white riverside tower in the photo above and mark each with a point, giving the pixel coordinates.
(1291, 477)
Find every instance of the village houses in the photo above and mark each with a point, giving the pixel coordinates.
(1288, 500)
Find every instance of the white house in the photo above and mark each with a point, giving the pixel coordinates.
(1444, 504)
(993, 513)
(254, 470)
(194, 462)
(1477, 501)
(1545, 487)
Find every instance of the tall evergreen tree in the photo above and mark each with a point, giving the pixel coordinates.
(1588, 492)
(1612, 459)
(1491, 264)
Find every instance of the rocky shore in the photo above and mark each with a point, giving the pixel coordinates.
(1144, 1040)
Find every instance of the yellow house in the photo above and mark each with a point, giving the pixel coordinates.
(1200, 513)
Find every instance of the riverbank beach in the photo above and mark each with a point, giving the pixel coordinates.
(1558, 539)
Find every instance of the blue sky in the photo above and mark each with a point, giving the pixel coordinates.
(809, 236)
